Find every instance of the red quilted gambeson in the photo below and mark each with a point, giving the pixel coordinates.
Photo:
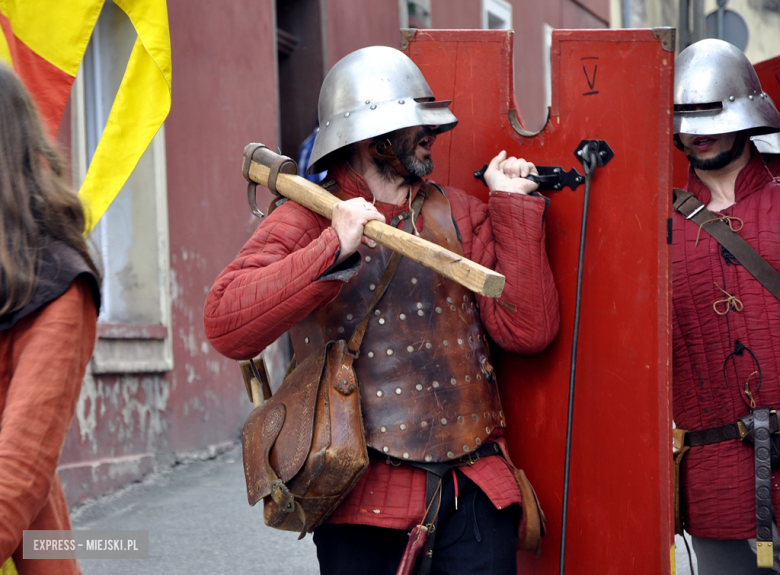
(718, 483)
(277, 280)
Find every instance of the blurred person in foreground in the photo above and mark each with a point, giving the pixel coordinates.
(49, 301)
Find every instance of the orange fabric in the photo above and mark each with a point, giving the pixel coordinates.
(42, 363)
(49, 86)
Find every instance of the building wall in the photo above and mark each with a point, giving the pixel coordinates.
(224, 96)
(761, 16)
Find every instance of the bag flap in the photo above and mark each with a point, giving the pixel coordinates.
(285, 423)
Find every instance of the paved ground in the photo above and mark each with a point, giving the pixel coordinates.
(199, 522)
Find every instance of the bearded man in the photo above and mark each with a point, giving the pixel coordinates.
(726, 358)
(427, 387)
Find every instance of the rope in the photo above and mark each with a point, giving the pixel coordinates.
(731, 302)
(726, 219)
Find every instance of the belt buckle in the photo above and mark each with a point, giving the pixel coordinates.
(742, 428)
(471, 461)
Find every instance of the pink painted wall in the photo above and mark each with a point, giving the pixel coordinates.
(354, 24)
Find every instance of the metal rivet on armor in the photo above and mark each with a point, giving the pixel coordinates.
(402, 101)
(479, 377)
(414, 281)
(478, 441)
(468, 378)
(450, 454)
(327, 124)
(428, 458)
(465, 448)
(452, 307)
(340, 330)
(377, 312)
(449, 300)
(438, 310)
(406, 455)
(346, 114)
(446, 343)
(463, 306)
(398, 391)
(460, 419)
(424, 424)
(386, 449)
(453, 381)
(383, 429)
(501, 414)
(471, 339)
(372, 287)
(460, 341)
(435, 384)
(373, 106)
(475, 417)
(419, 305)
(731, 98)
(472, 304)
(381, 321)
(487, 430)
(306, 340)
(402, 317)
(494, 413)
(370, 354)
(465, 298)
(428, 345)
(750, 97)
(486, 415)
(479, 337)
(379, 393)
(420, 312)
(389, 352)
(418, 387)
(443, 421)
(328, 331)
(368, 259)
(350, 316)
(409, 348)
(368, 101)
(403, 427)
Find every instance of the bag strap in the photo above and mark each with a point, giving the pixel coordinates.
(687, 204)
(353, 346)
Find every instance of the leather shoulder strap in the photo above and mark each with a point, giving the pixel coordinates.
(687, 204)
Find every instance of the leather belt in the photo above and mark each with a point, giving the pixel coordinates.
(435, 473)
(757, 428)
(740, 429)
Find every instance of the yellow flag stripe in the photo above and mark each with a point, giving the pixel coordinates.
(5, 55)
(56, 30)
(140, 108)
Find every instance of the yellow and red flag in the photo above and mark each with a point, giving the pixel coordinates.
(45, 41)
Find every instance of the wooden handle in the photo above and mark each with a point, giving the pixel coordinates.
(469, 274)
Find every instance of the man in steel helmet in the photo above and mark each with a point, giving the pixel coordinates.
(726, 351)
(428, 389)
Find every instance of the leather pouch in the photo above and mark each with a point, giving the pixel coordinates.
(304, 448)
(533, 523)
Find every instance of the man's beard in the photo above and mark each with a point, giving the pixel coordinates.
(405, 148)
(716, 163)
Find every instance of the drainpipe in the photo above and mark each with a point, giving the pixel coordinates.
(627, 14)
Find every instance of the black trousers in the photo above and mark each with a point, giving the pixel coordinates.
(475, 539)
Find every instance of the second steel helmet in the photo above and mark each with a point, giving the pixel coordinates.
(370, 92)
(716, 91)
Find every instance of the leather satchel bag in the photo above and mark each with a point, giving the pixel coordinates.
(304, 448)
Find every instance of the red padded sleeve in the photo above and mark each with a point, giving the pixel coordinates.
(508, 235)
(273, 282)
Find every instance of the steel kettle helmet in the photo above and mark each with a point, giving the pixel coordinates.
(716, 91)
(371, 92)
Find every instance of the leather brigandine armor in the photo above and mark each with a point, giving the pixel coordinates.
(427, 386)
